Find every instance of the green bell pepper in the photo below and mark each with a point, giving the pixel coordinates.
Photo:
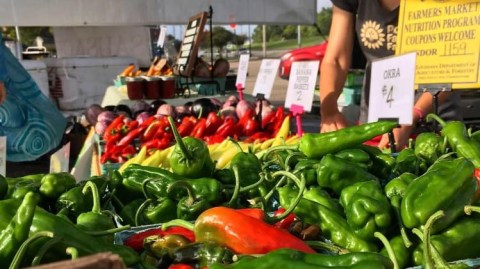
(308, 169)
(96, 220)
(408, 161)
(319, 195)
(429, 146)
(395, 190)
(382, 163)
(288, 258)
(73, 202)
(190, 157)
(333, 225)
(208, 188)
(367, 209)
(447, 185)
(54, 184)
(336, 173)
(458, 139)
(403, 254)
(316, 145)
(192, 205)
(16, 232)
(247, 167)
(127, 212)
(357, 156)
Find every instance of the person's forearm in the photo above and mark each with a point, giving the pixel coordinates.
(424, 104)
(332, 79)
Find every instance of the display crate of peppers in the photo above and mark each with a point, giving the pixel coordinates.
(327, 201)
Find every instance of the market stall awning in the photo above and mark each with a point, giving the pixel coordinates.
(153, 12)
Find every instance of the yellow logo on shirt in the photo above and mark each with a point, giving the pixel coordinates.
(372, 35)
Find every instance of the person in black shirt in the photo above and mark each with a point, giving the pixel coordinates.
(375, 24)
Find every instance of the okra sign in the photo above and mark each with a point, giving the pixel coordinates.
(446, 36)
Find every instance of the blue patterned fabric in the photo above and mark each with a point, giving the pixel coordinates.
(30, 120)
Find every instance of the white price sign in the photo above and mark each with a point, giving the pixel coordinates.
(266, 77)
(161, 36)
(301, 84)
(392, 89)
(59, 160)
(3, 155)
(242, 70)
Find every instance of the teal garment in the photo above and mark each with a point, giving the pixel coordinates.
(30, 120)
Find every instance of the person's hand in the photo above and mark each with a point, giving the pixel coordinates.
(401, 135)
(333, 122)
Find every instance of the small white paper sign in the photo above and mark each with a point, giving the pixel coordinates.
(161, 36)
(392, 89)
(242, 69)
(60, 159)
(301, 85)
(3, 155)
(266, 76)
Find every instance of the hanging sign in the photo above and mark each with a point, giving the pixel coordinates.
(446, 37)
(3, 155)
(266, 77)
(391, 89)
(59, 160)
(242, 70)
(301, 84)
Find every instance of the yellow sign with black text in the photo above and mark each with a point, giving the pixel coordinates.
(446, 36)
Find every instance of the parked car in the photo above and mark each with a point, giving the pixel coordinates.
(310, 53)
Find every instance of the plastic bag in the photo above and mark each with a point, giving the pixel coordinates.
(30, 120)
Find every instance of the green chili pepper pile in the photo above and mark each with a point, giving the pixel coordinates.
(364, 208)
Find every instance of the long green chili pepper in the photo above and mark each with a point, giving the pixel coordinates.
(43, 250)
(18, 228)
(155, 209)
(316, 145)
(459, 140)
(190, 156)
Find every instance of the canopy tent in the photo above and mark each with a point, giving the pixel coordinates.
(153, 12)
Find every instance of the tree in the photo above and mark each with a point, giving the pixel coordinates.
(324, 20)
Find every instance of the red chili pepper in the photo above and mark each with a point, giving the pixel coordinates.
(112, 154)
(253, 212)
(279, 116)
(214, 139)
(476, 174)
(251, 127)
(148, 121)
(112, 141)
(267, 120)
(199, 129)
(129, 126)
(135, 241)
(286, 222)
(212, 123)
(260, 136)
(128, 151)
(113, 127)
(250, 113)
(227, 128)
(128, 138)
(237, 231)
(151, 130)
(186, 126)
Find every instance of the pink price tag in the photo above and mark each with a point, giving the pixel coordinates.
(298, 112)
(240, 91)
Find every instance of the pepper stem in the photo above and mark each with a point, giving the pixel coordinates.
(470, 208)
(429, 250)
(388, 247)
(17, 259)
(144, 187)
(179, 139)
(96, 197)
(236, 190)
(435, 117)
(140, 210)
(109, 231)
(235, 142)
(272, 149)
(328, 247)
(180, 223)
(73, 252)
(301, 188)
(185, 185)
(43, 249)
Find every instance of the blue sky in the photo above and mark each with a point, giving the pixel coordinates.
(323, 3)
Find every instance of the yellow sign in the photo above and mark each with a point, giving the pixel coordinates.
(446, 36)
